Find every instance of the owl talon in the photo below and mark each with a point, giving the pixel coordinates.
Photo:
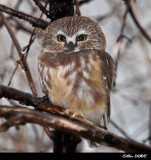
(69, 112)
(73, 114)
(77, 114)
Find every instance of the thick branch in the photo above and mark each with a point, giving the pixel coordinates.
(79, 127)
(36, 22)
(22, 97)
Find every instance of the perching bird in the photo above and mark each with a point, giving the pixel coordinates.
(75, 71)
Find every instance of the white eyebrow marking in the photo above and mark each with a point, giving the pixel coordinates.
(81, 32)
(60, 32)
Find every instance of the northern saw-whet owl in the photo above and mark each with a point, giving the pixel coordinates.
(75, 71)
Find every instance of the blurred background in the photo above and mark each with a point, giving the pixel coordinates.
(131, 97)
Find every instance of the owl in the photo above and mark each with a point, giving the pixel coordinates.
(75, 70)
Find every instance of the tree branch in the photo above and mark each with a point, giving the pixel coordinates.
(78, 126)
(36, 22)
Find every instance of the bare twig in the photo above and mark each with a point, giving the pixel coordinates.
(27, 48)
(42, 8)
(120, 129)
(110, 13)
(142, 30)
(76, 127)
(24, 63)
(120, 38)
(13, 74)
(32, 39)
(48, 132)
(17, 26)
(33, 20)
(77, 7)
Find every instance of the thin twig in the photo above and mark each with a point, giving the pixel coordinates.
(120, 38)
(17, 26)
(24, 62)
(48, 132)
(42, 8)
(27, 48)
(120, 129)
(77, 7)
(110, 13)
(32, 39)
(13, 74)
(142, 30)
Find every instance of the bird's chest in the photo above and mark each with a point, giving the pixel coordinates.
(76, 84)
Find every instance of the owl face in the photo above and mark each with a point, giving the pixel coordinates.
(73, 34)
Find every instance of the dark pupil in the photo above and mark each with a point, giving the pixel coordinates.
(81, 37)
(62, 38)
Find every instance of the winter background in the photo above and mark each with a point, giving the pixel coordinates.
(130, 99)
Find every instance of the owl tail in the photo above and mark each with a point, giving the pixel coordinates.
(93, 144)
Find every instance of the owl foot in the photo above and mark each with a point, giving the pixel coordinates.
(73, 114)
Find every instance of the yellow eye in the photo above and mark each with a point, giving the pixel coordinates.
(82, 37)
(61, 38)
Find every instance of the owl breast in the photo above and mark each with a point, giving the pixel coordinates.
(77, 85)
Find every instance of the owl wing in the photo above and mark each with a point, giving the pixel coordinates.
(108, 75)
(108, 68)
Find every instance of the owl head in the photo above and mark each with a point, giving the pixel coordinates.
(73, 34)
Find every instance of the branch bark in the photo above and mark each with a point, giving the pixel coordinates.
(78, 126)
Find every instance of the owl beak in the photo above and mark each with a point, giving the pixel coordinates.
(70, 46)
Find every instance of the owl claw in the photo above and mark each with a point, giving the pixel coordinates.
(77, 114)
(73, 114)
